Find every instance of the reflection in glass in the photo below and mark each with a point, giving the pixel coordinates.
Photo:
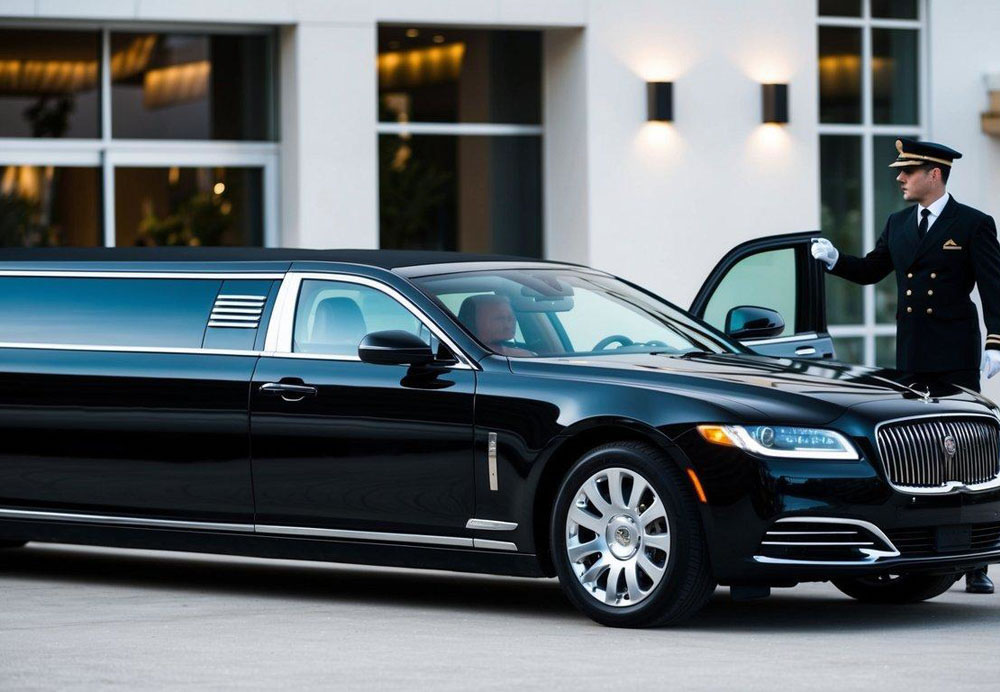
(840, 219)
(885, 351)
(49, 206)
(180, 86)
(894, 76)
(469, 193)
(888, 199)
(839, 75)
(894, 9)
(49, 83)
(849, 349)
(188, 206)
(840, 8)
(459, 75)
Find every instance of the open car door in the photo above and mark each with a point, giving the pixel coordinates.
(769, 294)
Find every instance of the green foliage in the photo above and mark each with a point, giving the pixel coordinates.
(202, 219)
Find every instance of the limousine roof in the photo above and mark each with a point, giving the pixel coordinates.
(385, 259)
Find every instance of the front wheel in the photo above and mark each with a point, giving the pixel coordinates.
(896, 588)
(627, 540)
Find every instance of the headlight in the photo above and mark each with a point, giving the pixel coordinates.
(781, 441)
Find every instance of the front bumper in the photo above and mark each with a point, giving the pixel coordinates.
(778, 522)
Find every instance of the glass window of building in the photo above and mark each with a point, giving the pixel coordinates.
(187, 206)
(460, 140)
(49, 83)
(871, 90)
(191, 86)
(49, 206)
(186, 155)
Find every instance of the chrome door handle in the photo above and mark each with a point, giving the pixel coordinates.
(805, 351)
(288, 391)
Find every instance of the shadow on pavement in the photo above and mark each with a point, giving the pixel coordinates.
(786, 610)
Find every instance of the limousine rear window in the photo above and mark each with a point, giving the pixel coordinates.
(156, 313)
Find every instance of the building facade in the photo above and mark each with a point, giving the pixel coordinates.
(513, 126)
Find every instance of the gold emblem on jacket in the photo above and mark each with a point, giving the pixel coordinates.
(951, 245)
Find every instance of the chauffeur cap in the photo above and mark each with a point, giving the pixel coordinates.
(914, 153)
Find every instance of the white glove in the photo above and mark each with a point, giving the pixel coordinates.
(990, 363)
(823, 250)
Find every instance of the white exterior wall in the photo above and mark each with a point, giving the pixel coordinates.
(962, 52)
(667, 201)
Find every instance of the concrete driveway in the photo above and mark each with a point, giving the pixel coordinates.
(91, 618)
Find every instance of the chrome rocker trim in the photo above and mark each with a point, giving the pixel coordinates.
(263, 529)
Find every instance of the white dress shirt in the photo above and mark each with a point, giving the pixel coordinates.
(936, 208)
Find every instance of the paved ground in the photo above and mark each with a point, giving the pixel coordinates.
(83, 618)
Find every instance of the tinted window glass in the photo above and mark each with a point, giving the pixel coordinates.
(839, 75)
(49, 206)
(333, 317)
(106, 312)
(766, 279)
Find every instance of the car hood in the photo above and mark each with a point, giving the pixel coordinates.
(800, 391)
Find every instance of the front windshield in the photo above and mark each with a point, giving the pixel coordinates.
(527, 313)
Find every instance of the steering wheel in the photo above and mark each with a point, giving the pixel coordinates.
(614, 338)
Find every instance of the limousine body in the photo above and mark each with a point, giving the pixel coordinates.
(475, 413)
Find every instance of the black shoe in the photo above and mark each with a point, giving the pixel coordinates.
(977, 582)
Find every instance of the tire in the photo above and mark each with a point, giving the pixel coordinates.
(897, 589)
(651, 543)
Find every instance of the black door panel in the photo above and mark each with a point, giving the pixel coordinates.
(135, 434)
(377, 446)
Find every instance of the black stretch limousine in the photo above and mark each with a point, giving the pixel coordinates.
(484, 414)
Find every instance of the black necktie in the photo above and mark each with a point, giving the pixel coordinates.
(922, 228)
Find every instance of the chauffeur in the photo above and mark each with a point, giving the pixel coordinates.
(939, 249)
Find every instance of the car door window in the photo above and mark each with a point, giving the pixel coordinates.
(332, 317)
(765, 279)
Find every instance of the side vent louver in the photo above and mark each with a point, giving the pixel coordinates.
(240, 312)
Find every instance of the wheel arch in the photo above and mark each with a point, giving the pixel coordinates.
(570, 446)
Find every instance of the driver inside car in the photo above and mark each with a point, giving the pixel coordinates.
(492, 320)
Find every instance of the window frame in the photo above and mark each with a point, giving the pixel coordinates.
(107, 154)
(870, 329)
(281, 327)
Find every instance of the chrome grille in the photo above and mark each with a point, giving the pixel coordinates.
(238, 311)
(914, 455)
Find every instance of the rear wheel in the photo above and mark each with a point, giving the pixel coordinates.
(626, 538)
(896, 588)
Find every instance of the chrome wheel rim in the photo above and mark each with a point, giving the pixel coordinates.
(618, 537)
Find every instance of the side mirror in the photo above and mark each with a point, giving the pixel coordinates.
(394, 347)
(752, 322)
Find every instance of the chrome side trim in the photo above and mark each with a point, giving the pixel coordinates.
(131, 349)
(238, 325)
(371, 536)
(950, 486)
(493, 545)
(491, 460)
(33, 515)
(781, 339)
(278, 341)
(871, 555)
(379, 536)
(104, 274)
(490, 525)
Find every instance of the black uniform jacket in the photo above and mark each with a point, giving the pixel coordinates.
(937, 326)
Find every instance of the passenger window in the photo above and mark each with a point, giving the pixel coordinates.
(153, 313)
(332, 317)
(765, 279)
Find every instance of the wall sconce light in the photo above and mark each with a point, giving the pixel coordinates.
(774, 102)
(660, 101)
(991, 119)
